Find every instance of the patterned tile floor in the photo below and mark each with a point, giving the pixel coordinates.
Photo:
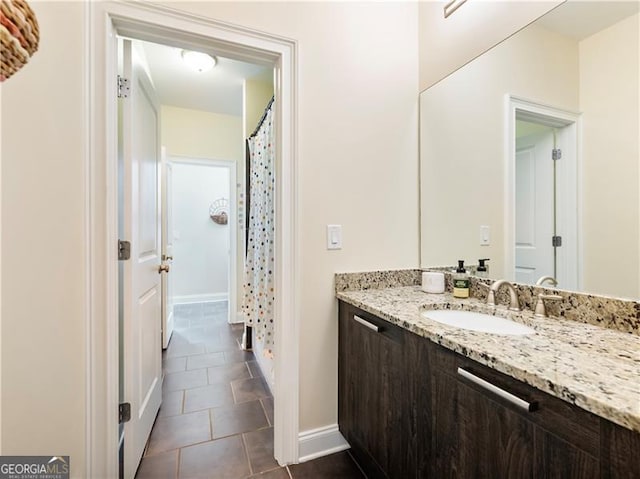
(216, 418)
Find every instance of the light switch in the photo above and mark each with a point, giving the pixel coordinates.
(334, 236)
(485, 235)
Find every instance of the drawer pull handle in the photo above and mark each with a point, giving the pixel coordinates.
(521, 403)
(366, 323)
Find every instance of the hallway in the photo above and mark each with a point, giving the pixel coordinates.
(216, 418)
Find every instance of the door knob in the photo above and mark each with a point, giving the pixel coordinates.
(163, 268)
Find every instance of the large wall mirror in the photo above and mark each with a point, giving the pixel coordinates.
(565, 87)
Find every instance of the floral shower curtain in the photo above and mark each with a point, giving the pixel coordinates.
(258, 303)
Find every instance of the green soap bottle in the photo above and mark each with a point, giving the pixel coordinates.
(460, 281)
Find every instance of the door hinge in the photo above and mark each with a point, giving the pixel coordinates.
(556, 241)
(123, 87)
(556, 153)
(124, 412)
(124, 250)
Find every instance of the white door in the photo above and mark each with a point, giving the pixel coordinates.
(167, 250)
(534, 207)
(141, 282)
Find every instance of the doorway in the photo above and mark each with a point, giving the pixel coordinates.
(542, 216)
(194, 111)
(153, 22)
(202, 231)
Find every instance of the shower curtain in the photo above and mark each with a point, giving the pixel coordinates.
(259, 295)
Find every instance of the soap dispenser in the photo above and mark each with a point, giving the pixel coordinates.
(460, 281)
(483, 269)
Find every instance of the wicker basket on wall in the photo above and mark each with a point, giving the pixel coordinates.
(19, 36)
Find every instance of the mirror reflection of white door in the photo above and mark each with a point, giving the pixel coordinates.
(167, 250)
(535, 203)
(141, 281)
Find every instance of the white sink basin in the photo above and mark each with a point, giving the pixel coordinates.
(478, 322)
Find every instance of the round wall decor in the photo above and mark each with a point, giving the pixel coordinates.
(219, 211)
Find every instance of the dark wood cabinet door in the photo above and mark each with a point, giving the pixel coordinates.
(481, 433)
(346, 377)
(371, 383)
(494, 441)
(446, 421)
(555, 458)
(475, 437)
(417, 402)
(620, 452)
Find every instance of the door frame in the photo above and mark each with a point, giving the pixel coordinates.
(570, 194)
(232, 166)
(161, 24)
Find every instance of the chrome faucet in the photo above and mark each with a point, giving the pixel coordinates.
(513, 295)
(549, 279)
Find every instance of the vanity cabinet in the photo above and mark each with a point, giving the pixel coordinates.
(410, 408)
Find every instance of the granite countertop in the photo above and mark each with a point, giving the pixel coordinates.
(595, 368)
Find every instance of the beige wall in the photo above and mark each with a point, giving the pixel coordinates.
(357, 157)
(43, 245)
(462, 141)
(609, 99)
(257, 94)
(448, 43)
(201, 134)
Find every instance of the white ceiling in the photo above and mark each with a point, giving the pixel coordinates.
(217, 91)
(581, 19)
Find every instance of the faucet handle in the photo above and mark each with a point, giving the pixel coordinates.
(541, 310)
(491, 297)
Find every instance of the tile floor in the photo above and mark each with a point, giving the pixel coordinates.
(216, 418)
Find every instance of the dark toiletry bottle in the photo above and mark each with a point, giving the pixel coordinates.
(483, 269)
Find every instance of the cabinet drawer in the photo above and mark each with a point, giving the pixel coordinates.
(558, 417)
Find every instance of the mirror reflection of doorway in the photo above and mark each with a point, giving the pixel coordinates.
(546, 202)
(536, 202)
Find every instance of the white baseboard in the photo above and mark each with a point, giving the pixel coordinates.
(320, 442)
(239, 318)
(200, 298)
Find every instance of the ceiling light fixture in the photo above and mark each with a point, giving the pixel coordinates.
(198, 61)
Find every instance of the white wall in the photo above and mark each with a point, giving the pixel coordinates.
(200, 266)
(357, 157)
(610, 101)
(462, 141)
(448, 43)
(43, 245)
